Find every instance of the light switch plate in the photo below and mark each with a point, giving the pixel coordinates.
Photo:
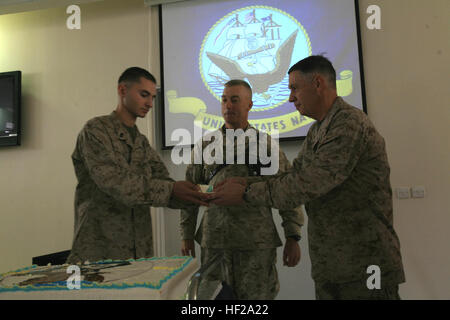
(418, 192)
(403, 193)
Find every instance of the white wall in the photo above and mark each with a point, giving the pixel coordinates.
(70, 76)
(407, 67)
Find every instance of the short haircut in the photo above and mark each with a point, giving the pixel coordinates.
(238, 82)
(134, 74)
(316, 64)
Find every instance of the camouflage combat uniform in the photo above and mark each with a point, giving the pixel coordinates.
(118, 180)
(245, 236)
(342, 176)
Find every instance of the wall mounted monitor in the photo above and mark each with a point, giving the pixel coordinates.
(10, 108)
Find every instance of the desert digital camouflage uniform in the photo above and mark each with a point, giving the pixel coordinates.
(245, 236)
(356, 290)
(342, 176)
(118, 180)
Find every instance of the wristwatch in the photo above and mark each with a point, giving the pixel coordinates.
(244, 195)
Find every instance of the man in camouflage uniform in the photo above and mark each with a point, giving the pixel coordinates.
(119, 177)
(245, 237)
(342, 176)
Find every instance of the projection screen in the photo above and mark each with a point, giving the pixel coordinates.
(206, 43)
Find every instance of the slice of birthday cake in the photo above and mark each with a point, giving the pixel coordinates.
(153, 279)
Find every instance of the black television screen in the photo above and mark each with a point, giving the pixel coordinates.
(10, 93)
(206, 43)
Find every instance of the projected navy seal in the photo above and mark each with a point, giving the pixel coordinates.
(257, 44)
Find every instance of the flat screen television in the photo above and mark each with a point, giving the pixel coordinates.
(10, 94)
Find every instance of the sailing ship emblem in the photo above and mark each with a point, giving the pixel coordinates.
(257, 44)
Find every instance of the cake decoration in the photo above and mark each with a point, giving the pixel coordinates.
(149, 274)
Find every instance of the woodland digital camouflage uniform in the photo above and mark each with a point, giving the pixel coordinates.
(245, 235)
(117, 182)
(341, 174)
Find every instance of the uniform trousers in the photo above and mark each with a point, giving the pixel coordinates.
(252, 274)
(355, 291)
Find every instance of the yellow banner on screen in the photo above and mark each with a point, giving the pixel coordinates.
(283, 123)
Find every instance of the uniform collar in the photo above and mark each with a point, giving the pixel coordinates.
(235, 138)
(336, 106)
(249, 126)
(122, 132)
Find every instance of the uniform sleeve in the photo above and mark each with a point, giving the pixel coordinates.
(188, 216)
(120, 182)
(160, 172)
(331, 163)
(292, 219)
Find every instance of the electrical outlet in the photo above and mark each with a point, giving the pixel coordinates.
(418, 192)
(403, 193)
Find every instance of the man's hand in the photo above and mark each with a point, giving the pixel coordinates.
(291, 253)
(189, 192)
(229, 192)
(188, 248)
